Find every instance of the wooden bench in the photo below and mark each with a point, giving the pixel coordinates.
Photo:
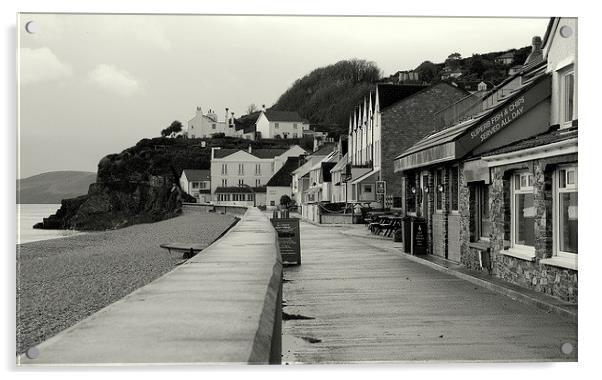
(188, 249)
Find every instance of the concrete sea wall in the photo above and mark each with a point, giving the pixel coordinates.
(221, 306)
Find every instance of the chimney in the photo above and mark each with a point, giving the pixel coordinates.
(232, 119)
(263, 107)
(250, 149)
(535, 50)
(226, 118)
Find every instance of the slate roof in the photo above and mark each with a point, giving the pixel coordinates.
(197, 175)
(284, 176)
(247, 122)
(239, 190)
(259, 153)
(273, 115)
(389, 93)
(539, 140)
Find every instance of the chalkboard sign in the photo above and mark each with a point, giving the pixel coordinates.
(288, 239)
(419, 238)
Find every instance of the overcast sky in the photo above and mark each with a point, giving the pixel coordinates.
(91, 85)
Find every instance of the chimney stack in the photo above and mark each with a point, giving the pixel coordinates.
(263, 107)
(232, 119)
(226, 118)
(250, 149)
(535, 50)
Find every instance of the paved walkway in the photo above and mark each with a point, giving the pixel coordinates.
(352, 300)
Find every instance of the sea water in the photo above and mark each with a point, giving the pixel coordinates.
(30, 214)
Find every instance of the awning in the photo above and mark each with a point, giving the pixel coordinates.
(365, 176)
(457, 141)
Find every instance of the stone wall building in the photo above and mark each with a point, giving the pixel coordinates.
(498, 191)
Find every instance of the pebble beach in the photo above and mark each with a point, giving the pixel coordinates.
(62, 281)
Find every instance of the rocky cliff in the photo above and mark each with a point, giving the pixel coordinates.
(138, 185)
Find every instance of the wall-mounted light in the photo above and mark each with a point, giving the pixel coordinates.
(413, 190)
(440, 188)
(426, 190)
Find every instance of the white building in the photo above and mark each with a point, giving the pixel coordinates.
(197, 183)
(239, 177)
(206, 125)
(270, 124)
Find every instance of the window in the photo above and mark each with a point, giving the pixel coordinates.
(224, 169)
(276, 125)
(481, 223)
(203, 185)
(454, 188)
(212, 126)
(285, 135)
(272, 203)
(438, 194)
(241, 182)
(566, 215)
(224, 182)
(295, 135)
(523, 211)
(257, 182)
(367, 188)
(241, 169)
(195, 185)
(294, 125)
(411, 193)
(250, 197)
(567, 97)
(257, 169)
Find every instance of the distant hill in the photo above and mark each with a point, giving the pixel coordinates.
(52, 187)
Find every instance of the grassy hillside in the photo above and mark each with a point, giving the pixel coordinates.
(52, 187)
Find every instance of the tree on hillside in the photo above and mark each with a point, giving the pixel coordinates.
(251, 108)
(328, 94)
(285, 201)
(477, 65)
(428, 71)
(453, 60)
(174, 128)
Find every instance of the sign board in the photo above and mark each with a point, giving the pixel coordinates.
(288, 239)
(500, 119)
(381, 187)
(419, 238)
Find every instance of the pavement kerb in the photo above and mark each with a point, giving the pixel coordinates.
(511, 293)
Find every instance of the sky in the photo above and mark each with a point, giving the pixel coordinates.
(92, 85)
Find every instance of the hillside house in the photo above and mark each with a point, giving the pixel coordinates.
(197, 183)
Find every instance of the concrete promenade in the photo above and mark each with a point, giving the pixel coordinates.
(353, 300)
(221, 306)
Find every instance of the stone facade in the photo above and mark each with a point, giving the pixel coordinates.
(545, 278)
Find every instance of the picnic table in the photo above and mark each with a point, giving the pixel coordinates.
(386, 224)
(188, 249)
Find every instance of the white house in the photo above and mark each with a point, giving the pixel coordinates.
(197, 183)
(270, 124)
(239, 177)
(205, 125)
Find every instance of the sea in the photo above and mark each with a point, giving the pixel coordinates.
(30, 214)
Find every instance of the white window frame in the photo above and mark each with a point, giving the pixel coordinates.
(224, 182)
(527, 251)
(224, 169)
(570, 188)
(241, 169)
(257, 182)
(563, 74)
(257, 169)
(195, 185)
(480, 205)
(276, 125)
(241, 181)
